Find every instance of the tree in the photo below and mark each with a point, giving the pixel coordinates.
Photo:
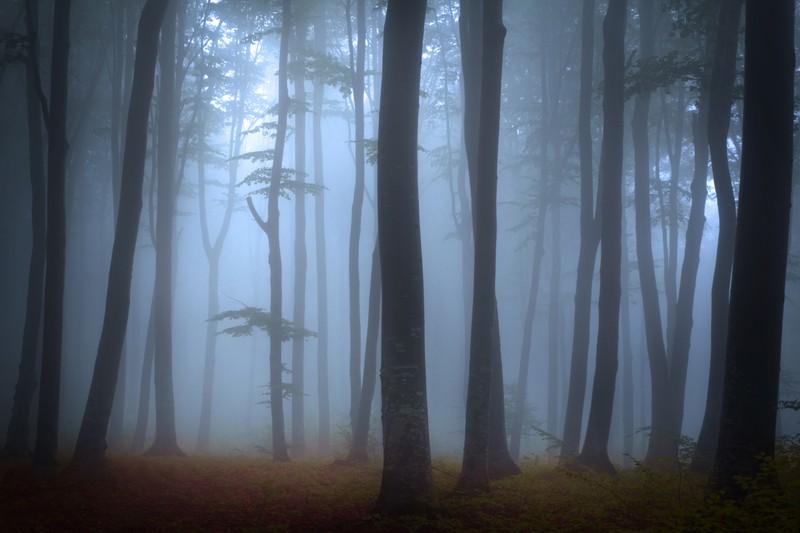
(406, 484)
(588, 247)
(357, 74)
(752, 367)
(595, 448)
(165, 442)
(44, 452)
(90, 447)
(475, 463)
(272, 228)
(18, 434)
(723, 74)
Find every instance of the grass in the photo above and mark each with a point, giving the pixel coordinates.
(216, 493)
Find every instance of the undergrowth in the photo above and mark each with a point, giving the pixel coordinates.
(252, 494)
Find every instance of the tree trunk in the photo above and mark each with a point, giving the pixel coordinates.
(44, 452)
(595, 448)
(752, 368)
(406, 483)
(475, 463)
(588, 248)
(360, 445)
(300, 254)
(145, 381)
(17, 443)
(90, 447)
(723, 75)
(321, 250)
(165, 442)
(357, 73)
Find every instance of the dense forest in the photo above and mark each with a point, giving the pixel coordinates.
(445, 244)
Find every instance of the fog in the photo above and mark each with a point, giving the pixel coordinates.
(237, 42)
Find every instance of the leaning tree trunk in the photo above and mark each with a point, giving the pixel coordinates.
(18, 433)
(752, 368)
(723, 74)
(595, 448)
(406, 482)
(44, 452)
(90, 447)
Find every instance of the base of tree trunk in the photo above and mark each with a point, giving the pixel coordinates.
(164, 450)
(502, 466)
(16, 450)
(599, 462)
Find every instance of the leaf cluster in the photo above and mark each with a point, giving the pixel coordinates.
(256, 318)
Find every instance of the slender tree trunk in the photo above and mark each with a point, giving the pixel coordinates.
(360, 445)
(588, 248)
(145, 381)
(300, 254)
(595, 448)
(719, 105)
(165, 442)
(18, 433)
(90, 447)
(357, 73)
(321, 252)
(752, 367)
(406, 483)
(627, 351)
(46, 445)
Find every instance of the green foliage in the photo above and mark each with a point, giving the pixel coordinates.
(256, 318)
(262, 176)
(530, 423)
(324, 67)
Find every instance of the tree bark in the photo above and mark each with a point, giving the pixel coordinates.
(406, 484)
(588, 248)
(46, 445)
(17, 443)
(595, 448)
(90, 447)
(752, 367)
(723, 74)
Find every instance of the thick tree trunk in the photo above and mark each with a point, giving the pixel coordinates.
(719, 105)
(18, 433)
(165, 442)
(475, 463)
(588, 248)
(44, 452)
(595, 448)
(406, 483)
(90, 447)
(752, 368)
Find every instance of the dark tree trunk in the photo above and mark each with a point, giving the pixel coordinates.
(90, 447)
(723, 74)
(752, 368)
(18, 433)
(475, 463)
(44, 452)
(360, 444)
(627, 351)
(357, 73)
(300, 254)
(595, 448)
(406, 483)
(321, 251)
(145, 381)
(587, 253)
(165, 442)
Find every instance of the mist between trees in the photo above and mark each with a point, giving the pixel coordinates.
(206, 178)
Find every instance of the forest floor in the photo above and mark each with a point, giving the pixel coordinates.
(225, 493)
